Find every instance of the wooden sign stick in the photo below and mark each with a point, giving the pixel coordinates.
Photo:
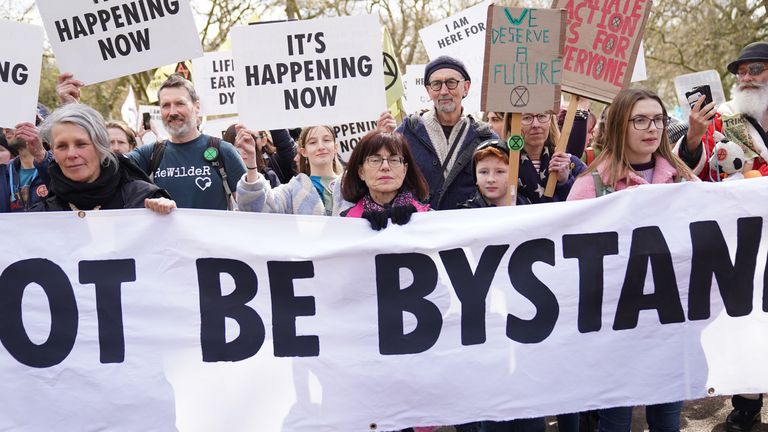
(565, 134)
(513, 132)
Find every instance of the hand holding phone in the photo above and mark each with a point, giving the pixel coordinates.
(696, 93)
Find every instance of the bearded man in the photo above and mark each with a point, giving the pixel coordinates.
(188, 164)
(742, 120)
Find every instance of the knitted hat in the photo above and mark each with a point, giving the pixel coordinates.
(445, 62)
(756, 51)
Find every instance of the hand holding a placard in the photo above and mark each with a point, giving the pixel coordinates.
(560, 165)
(28, 132)
(246, 145)
(68, 88)
(386, 122)
(698, 121)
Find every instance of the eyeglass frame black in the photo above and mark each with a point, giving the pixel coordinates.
(664, 119)
(429, 84)
(750, 70)
(400, 159)
(536, 116)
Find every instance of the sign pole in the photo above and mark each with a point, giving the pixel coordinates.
(565, 134)
(513, 130)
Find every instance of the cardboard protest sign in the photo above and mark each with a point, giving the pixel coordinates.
(215, 83)
(98, 41)
(603, 40)
(20, 64)
(461, 36)
(303, 73)
(686, 83)
(349, 134)
(523, 60)
(416, 97)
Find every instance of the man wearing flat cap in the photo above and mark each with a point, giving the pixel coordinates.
(743, 119)
(443, 138)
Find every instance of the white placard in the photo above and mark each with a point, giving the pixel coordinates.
(155, 119)
(349, 134)
(686, 83)
(639, 73)
(215, 83)
(21, 56)
(416, 97)
(99, 40)
(461, 36)
(217, 127)
(304, 73)
(196, 321)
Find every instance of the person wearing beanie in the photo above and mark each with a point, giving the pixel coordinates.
(443, 138)
(743, 120)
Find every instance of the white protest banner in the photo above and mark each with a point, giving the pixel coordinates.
(686, 83)
(461, 36)
(99, 40)
(215, 83)
(21, 57)
(199, 322)
(349, 134)
(603, 40)
(416, 97)
(216, 127)
(155, 119)
(304, 73)
(523, 60)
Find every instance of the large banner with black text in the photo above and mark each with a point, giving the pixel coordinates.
(204, 320)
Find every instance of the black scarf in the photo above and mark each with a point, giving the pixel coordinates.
(87, 196)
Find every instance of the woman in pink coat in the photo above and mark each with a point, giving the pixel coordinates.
(636, 151)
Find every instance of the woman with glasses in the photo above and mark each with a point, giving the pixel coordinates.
(538, 158)
(636, 148)
(314, 191)
(384, 181)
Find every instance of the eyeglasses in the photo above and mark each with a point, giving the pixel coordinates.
(377, 161)
(642, 123)
(451, 83)
(753, 69)
(527, 119)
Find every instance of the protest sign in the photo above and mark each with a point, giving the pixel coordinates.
(686, 83)
(523, 60)
(639, 73)
(416, 97)
(602, 43)
(20, 63)
(215, 83)
(304, 73)
(461, 36)
(393, 76)
(99, 41)
(628, 299)
(216, 127)
(349, 134)
(155, 119)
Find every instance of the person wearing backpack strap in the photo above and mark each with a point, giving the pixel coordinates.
(443, 139)
(199, 171)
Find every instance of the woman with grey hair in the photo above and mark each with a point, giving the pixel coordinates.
(86, 174)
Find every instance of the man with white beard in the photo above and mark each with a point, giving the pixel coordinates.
(743, 119)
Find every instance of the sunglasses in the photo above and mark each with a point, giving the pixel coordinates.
(752, 69)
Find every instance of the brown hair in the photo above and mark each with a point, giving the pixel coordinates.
(129, 133)
(615, 138)
(554, 131)
(261, 164)
(489, 152)
(178, 81)
(304, 163)
(353, 188)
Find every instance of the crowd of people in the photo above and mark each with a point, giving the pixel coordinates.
(439, 159)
